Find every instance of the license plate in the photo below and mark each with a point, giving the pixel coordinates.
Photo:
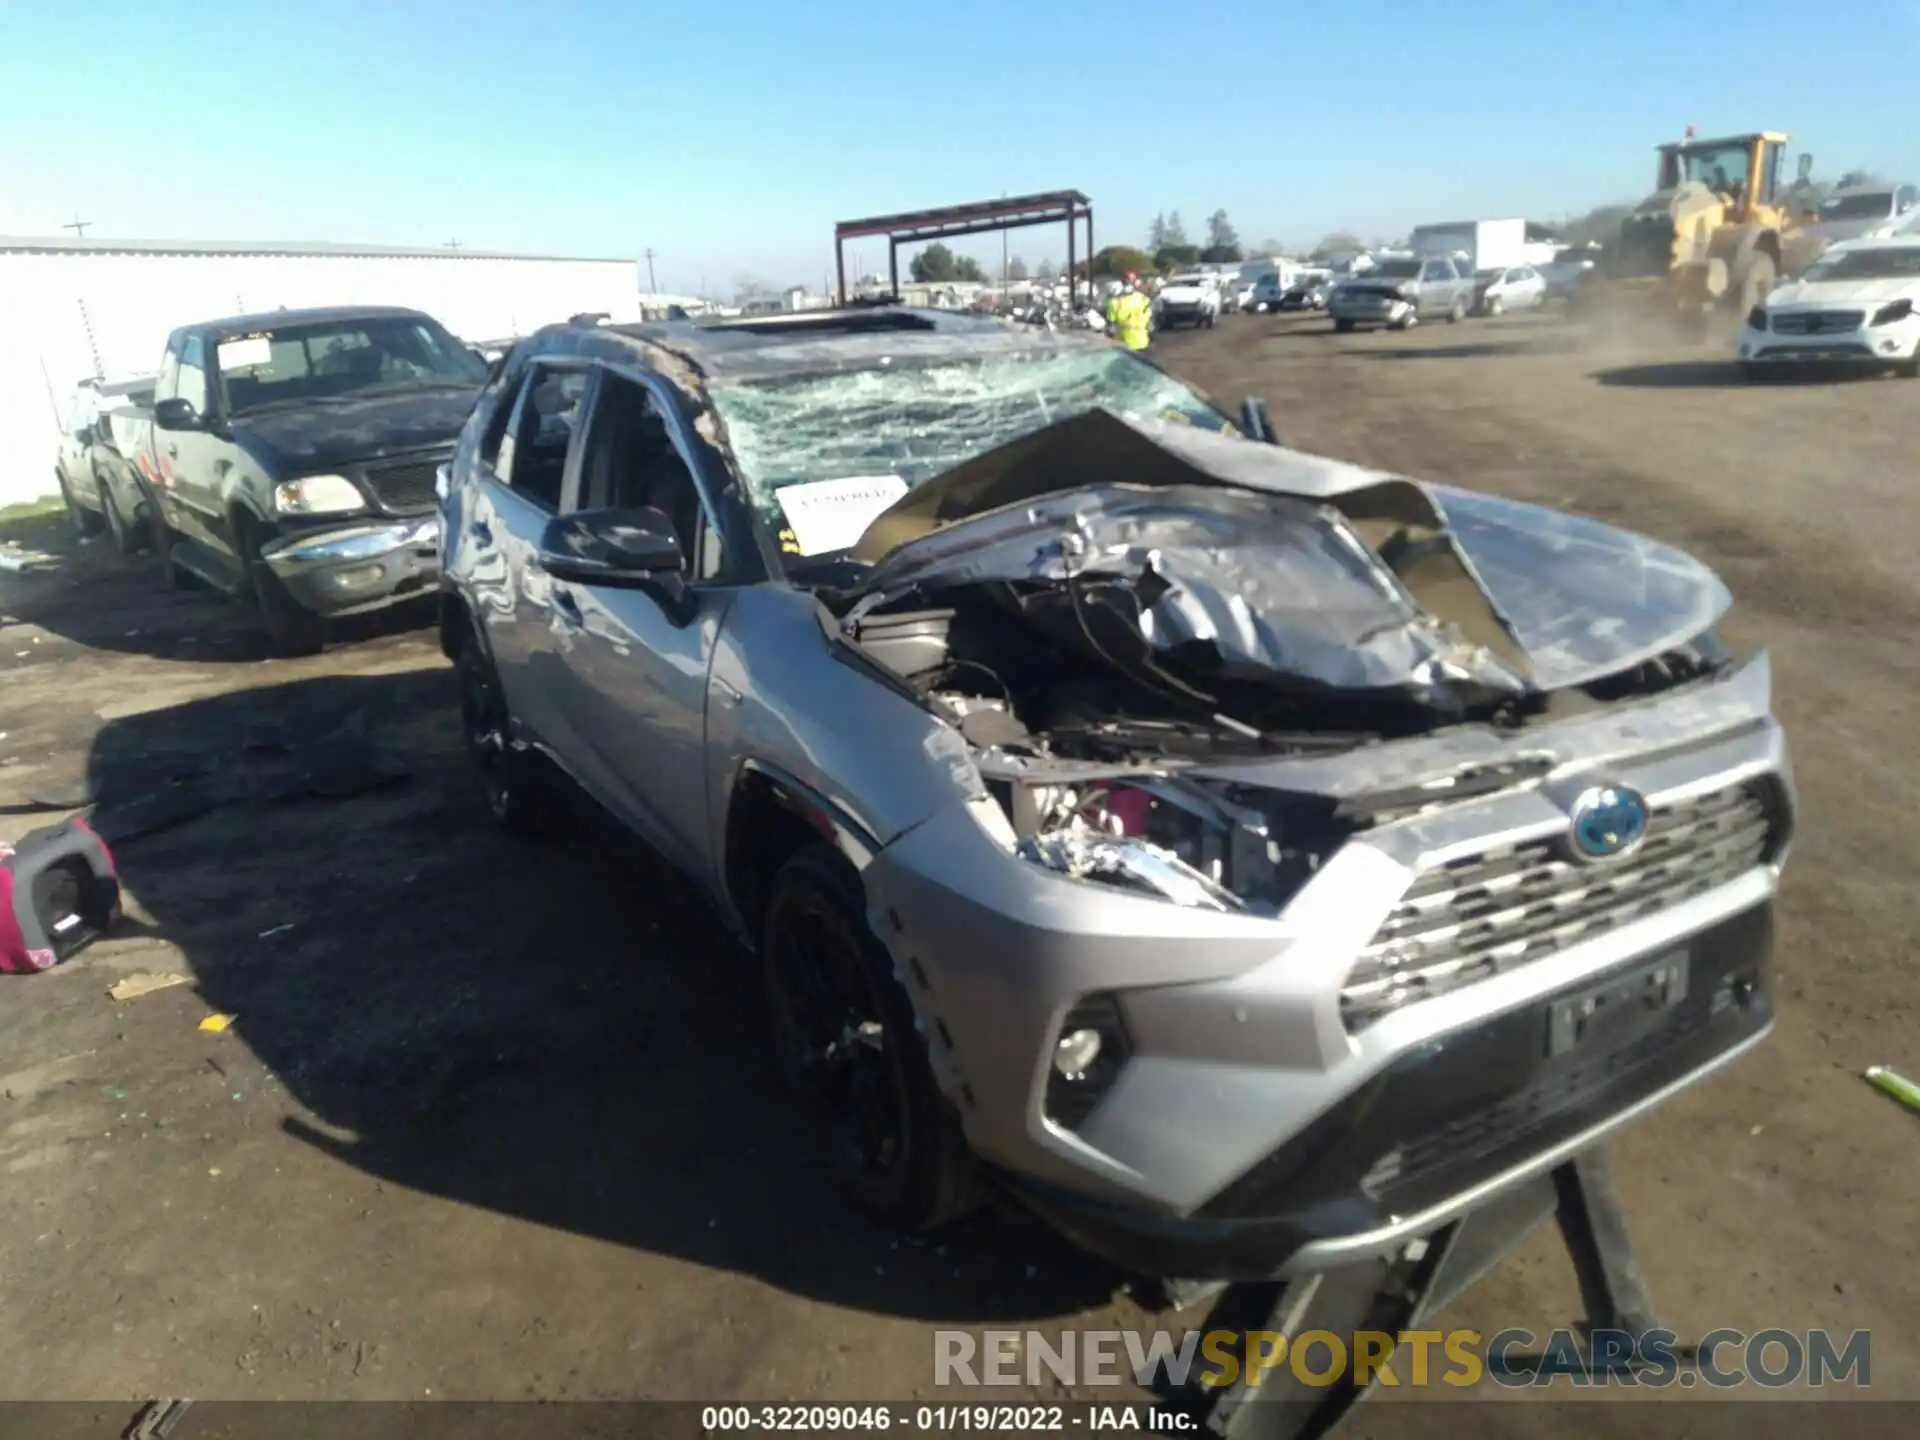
(1617, 1010)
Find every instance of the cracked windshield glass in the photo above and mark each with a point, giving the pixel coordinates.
(903, 424)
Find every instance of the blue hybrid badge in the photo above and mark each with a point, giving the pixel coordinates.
(1608, 821)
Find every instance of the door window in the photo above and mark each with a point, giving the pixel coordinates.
(630, 461)
(191, 383)
(532, 459)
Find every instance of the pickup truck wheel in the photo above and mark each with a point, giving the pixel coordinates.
(292, 629)
(85, 523)
(161, 541)
(519, 794)
(126, 538)
(1343, 326)
(846, 1039)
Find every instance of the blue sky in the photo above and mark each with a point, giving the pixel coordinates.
(729, 135)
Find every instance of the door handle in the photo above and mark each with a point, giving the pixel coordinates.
(566, 606)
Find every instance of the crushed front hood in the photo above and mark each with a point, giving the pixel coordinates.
(1355, 579)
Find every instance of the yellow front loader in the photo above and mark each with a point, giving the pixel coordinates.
(1715, 235)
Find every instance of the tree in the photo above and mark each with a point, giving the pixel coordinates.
(1115, 261)
(1858, 177)
(1016, 269)
(1222, 255)
(1270, 246)
(1176, 233)
(1046, 271)
(934, 265)
(1220, 234)
(968, 268)
(1602, 224)
(1172, 257)
(1157, 233)
(1337, 242)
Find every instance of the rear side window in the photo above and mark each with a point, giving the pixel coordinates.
(532, 458)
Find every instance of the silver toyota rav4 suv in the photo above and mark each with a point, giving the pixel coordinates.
(1251, 861)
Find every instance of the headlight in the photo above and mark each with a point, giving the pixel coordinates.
(1898, 310)
(1408, 289)
(318, 495)
(1757, 318)
(1204, 847)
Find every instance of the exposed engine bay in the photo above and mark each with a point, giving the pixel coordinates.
(1104, 647)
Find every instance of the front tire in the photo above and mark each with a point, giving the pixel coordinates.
(1342, 327)
(85, 523)
(292, 629)
(846, 1039)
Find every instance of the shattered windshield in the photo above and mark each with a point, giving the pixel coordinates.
(823, 454)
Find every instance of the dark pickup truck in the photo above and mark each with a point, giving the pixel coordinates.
(290, 458)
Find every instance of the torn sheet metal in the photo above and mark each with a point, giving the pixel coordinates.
(1270, 585)
(1583, 598)
(1445, 585)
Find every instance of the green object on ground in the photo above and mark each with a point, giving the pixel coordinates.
(1896, 1085)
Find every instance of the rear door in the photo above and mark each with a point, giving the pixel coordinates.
(520, 472)
(635, 688)
(1437, 284)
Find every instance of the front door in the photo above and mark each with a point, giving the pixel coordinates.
(636, 691)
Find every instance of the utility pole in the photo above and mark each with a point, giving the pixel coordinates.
(653, 286)
(453, 244)
(78, 226)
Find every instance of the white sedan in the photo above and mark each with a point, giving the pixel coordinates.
(1856, 305)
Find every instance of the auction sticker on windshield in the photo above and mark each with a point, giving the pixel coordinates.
(246, 352)
(829, 515)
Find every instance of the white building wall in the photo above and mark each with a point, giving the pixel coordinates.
(50, 300)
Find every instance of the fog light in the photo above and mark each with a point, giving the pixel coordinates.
(360, 577)
(1088, 1057)
(1076, 1053)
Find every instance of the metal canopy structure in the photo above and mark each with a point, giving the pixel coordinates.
(1053, 207)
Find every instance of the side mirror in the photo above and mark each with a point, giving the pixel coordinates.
(623, 549)
(173, 413)
(1256, 423)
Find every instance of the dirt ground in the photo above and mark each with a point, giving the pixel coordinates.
(495, 1121)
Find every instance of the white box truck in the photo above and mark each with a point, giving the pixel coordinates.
(1487, 244)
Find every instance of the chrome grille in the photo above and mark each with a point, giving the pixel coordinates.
(1818, 322)
(404, 484)
(1486, 913)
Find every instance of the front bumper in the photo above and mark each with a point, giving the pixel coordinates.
(1864, 345)
(361, 565)
(1252, 1133)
